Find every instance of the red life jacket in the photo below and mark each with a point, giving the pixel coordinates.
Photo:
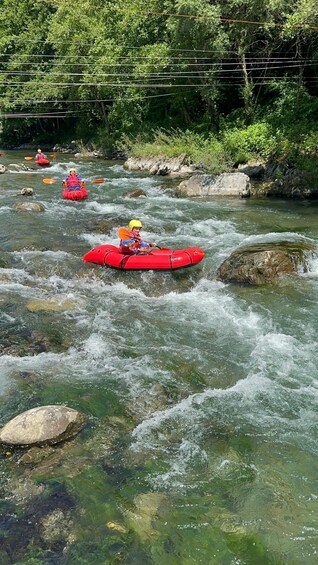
(131, 250)
(72, 180)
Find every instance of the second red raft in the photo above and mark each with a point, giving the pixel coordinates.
(157, 259)
(43, 162)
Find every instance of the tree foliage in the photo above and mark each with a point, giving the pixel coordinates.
(103, 68)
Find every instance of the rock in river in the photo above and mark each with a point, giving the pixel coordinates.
(265, 263)
(44, 425)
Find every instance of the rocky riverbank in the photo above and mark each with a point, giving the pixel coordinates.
(274, 178)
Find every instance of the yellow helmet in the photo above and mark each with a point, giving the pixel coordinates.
(39, 150)
(135, 224)
(72, 170)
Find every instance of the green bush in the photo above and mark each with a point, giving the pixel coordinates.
(256, 140)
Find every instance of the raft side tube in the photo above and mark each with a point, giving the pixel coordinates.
(157, 259)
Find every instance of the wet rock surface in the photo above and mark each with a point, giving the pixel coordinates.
(135, 193)
(264, 263)
(29, 207)
(44, 425)
(226, 184)
(22, 341)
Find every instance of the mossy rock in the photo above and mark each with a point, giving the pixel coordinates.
(265, 263)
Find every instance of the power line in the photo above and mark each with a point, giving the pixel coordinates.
(84, 100)
(215, 18)
(54, 56)
(218, 67)
(165, 63)
(225, 20)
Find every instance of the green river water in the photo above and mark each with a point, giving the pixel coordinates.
(201, 445)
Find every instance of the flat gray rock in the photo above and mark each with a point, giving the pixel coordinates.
(226, 184)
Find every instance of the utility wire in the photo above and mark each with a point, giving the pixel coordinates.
(219, 69)
(216, 18)
(144, 57)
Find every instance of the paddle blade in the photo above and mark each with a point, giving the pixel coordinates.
(48, 181)
(28, 158)
(124, 233)
(98, 181)
(53, 155)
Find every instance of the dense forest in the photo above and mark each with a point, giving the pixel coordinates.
(237, 76)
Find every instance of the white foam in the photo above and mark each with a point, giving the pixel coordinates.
(274, 237)
(312, 266)
(105, 208)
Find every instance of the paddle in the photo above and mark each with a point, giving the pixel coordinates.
(98, 181)
(53, 155)
(28, 158)
(124, 233)
(48, 181)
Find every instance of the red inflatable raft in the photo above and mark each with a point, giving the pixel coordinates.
(157, 259)
(78, 194)
(42, 162)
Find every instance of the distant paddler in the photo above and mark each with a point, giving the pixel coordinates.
(73, 181)
(41, 158)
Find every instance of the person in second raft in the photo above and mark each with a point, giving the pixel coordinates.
(132, 241)
(73, 181)
(40, 155)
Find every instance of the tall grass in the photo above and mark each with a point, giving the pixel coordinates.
(234, 144)
(198, 149)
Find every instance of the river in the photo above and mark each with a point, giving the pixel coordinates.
(202, 444)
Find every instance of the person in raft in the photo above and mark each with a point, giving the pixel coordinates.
(134, 244)
(73, 181)
(40, 155)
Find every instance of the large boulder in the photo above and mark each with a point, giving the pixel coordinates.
(226, 184)
(264, 263)
(44, 425)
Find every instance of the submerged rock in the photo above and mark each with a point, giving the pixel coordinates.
(23, 489)
(44, 425)
(103, 226)
(147, 509)
(135, 193)
(154, 399)
(40, 305)
(263, 263)
(36, 455)
(57, 527)
(21, 341)
(30, 206)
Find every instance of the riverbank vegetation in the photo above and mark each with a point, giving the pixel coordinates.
(221, 81)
